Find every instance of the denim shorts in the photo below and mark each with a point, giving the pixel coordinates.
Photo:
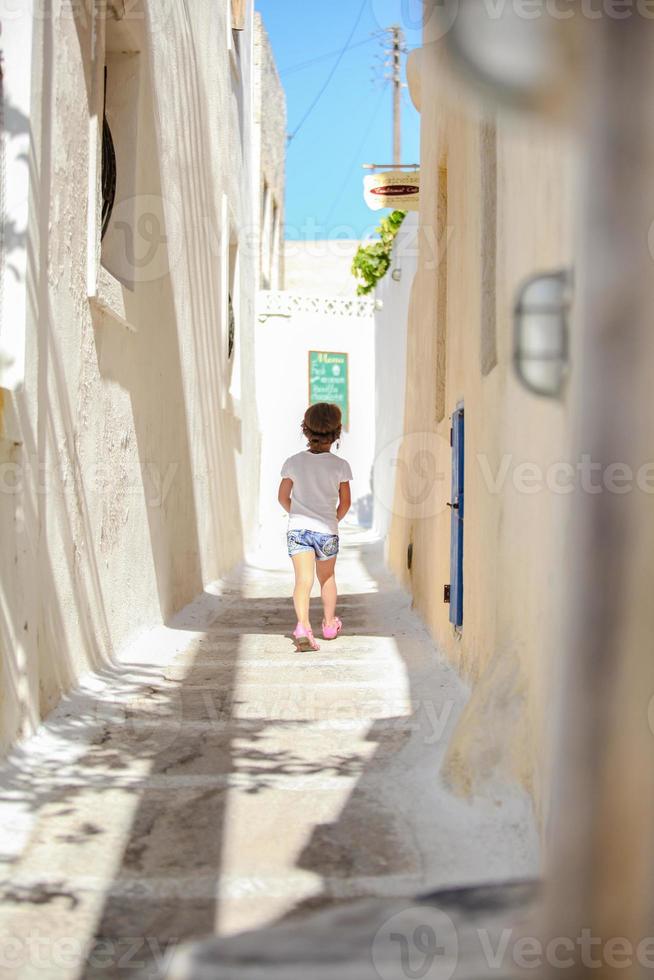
(324, 545)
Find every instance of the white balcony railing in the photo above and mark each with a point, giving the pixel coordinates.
(273, 302)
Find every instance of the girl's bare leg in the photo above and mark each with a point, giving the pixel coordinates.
(326, 572)
(304, 564)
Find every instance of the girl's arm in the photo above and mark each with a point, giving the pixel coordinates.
(284, 494)
(344, 500)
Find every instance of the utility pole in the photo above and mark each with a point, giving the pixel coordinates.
(396, 47)
(398, 39)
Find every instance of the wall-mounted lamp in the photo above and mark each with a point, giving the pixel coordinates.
(396, 274)
(541, 332)
(523, 61)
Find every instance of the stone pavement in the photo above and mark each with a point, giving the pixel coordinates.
(215, 781)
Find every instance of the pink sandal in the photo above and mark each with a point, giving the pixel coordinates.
(304, 639)
(331, 632)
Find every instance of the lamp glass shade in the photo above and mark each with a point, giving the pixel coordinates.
(508, 50)
(521, 58)
(541, 333)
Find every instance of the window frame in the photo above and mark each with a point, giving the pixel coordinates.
(104, 290)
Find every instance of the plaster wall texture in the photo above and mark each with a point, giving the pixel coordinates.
(283, 345)
(270, 119)
(132, 452)
(490, 217)
(391, 317)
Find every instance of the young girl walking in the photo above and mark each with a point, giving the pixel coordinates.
(315, 492)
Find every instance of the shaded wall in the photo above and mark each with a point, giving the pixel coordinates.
(134, 439)
(496, 206)
(270, 159)
(393, 295)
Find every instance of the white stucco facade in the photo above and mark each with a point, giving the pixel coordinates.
(129, 453)
(269, 156)
(318, 311)
(393, 295)
(498, 205)
(290, 325)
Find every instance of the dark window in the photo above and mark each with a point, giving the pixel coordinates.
(232, 328)
(108, 167)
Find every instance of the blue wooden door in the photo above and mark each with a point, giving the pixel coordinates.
(456, 534)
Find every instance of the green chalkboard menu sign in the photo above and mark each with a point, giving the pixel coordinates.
(328, 381)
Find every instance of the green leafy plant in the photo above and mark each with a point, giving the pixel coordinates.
(371, 261)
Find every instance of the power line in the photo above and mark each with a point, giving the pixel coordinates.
(323, 57)
(331, 74)
(356, 159)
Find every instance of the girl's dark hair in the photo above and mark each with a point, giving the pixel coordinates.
(322, 423)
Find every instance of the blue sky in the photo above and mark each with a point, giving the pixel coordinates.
(352, 122)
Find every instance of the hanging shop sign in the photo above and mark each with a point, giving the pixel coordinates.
(392, 189)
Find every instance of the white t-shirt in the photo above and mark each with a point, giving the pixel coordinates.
(316, 479)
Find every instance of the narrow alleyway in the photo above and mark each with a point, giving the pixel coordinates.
(217, 781)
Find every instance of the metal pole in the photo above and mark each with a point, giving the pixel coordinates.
(601, 851)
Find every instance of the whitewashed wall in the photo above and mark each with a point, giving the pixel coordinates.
(128, 459)
(393, 296)
(282, 345)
